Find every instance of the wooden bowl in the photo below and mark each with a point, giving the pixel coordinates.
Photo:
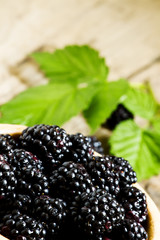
(153, 222)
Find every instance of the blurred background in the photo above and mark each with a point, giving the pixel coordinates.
(125, 32)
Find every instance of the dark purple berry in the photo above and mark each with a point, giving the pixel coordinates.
(70, 180)
(52, 211)
(96, 144)
(121, 113)
(81, 149)
(134, 203)
(103, 175)
(50, 143)
(97, 214)
(8, 181)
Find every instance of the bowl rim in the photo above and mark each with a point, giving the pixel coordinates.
(153, 212)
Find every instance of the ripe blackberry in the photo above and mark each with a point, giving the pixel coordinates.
(8, 181)
(23, 203)
(49, 143)
(101, 170)
(126, 173)
(69, 180)
(120, 114)
(22, 159)
(28, 171)
(16, 226)
(52, 211)
(33, 182)
(7, 144)
(97, 214)
(96, 144)
(134, 203)
(131, 230)
(81, 149)
(71, 232)
(6, 204)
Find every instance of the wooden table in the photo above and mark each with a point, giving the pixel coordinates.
(126, 33)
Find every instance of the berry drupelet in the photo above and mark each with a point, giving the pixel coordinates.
(8, 181)
(134, 202)
(16, 226)
(120, 114)
(103, 176)
(70, 180)
(52, 211)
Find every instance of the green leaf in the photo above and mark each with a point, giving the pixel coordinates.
(105, 101)
(48, 104)
(74, 64)
(140, 147)
(141, 103)
(155, 122)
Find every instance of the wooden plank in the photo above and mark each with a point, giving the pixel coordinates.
(125, 32)
(9, 85)
(152, 75)
(37, 23)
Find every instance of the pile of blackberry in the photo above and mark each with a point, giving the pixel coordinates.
(52, 186)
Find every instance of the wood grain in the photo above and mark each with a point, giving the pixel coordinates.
(125, 32)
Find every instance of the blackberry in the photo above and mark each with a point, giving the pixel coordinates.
(33, 182)
(126, 173)
(69, 180)
(6, 204)
(8, 181)
(51, 211)
(72, 232)
(23, 203)
(81, 149)
(120, 114)
(49, 143)
(16, 226)
(96, 144)
(101, 170)
(134, 203)
(97, 214)
(131, 230)
(22, 159)
(28, 170)
(7, 144)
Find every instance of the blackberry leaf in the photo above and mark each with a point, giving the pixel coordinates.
(72, 64)
(139, 146)
(49, 104)
(105, 102)
(141, 102)
(155, 122)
